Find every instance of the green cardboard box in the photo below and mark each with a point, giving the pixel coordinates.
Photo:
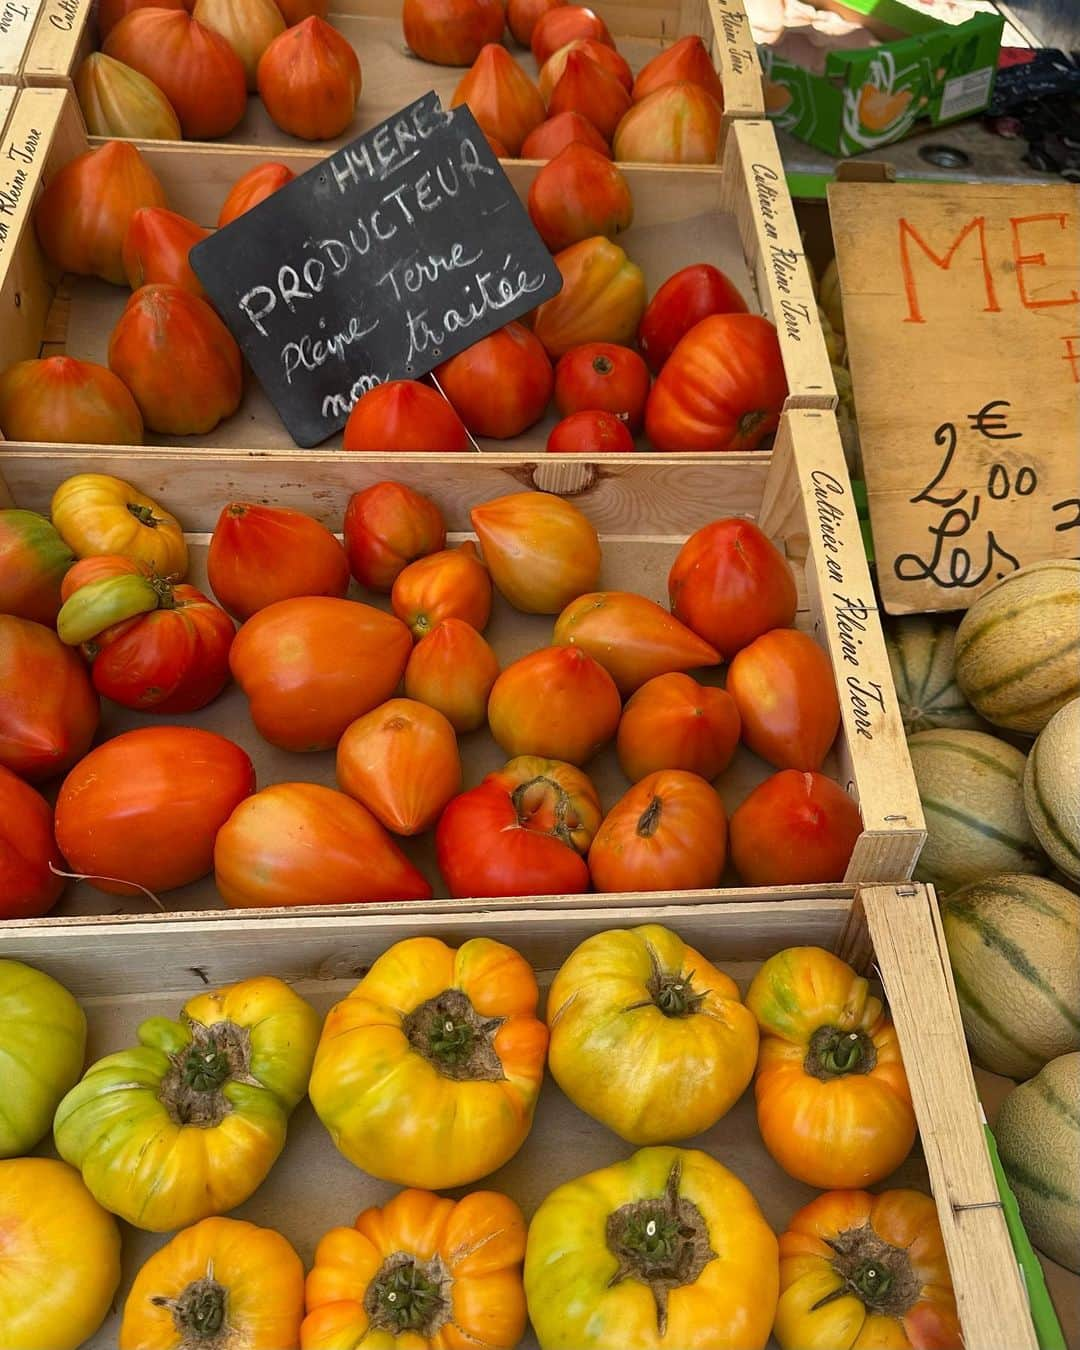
(926, 70)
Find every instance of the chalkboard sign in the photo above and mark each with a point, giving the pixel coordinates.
(397, 252)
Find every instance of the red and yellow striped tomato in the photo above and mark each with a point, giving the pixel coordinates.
(33, 560)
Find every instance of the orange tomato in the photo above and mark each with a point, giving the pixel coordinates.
(404, 415)
(156, 248)
(252, 188)
(502, 98)
(500, 385)
(590, 87)
(453, 584)
(555, 29)
(542, 551)
(59, 398)
(685, 61)
(794, 829)
(546, 140)
(672, 722)
(309, 79)
(675, 124)
(48, 708)
(786, 695)
(602, 297)
(599, 52)
(522, 17)
(451, 32)
(578, 194)
(452, 669)
(556, 702)
(387, 526)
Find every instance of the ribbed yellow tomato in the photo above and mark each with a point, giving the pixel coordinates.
(647, 1036)
(428, 1073)
(59, 1257)
(218, 1284)
(665, 1251)
(96, 513)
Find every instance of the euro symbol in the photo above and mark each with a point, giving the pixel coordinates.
(991, 424)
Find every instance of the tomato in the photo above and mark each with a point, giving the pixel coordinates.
(556, 133)
(42, 1047)
(602, 298)
(311, 666)
(110, 12)
(501, 384)
(557, 702)
(730, 584)
(96, 514)
(142, 809)
(632, 638)
(117, 101)
(565, 24)
(303, 844)
(590, 433)
(427, 1074)
(722, 388)
(601, 375)
(29, 886)
(189, 1122)
(404, 415)
(668, 833)
(451, 32)
(261, 554)
(48, 708)
(309, 80)
(387, 526)
(589, 87)
(249, 27)
(452, 584)
(252, 188)
(794, 829)
(156, 248)
(684, 61)
(418, 1271)
(401, 761)
(675, 124)
(648, 1037)
(833, 1103)
(502, 98)
(672, 722)
(542, 551)
(522, 16)
(600, 52)
(666, 1250)
(452, 669)
(577, 194)
(866, 1270)
(295, 11)
(784, 688)
(62, 399)
(681, 303)
(219, 1272)
(61, 1257)
(33, 560)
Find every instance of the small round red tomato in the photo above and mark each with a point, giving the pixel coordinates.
(672, 722)
(388, 526)
(404, 415)
(681, 302)
(453, 584)
(557, 702)
(590, 433)
(501, 384)
(794, 829)
(48, 707)
(28, 852)
(784, 688)
(601, 375)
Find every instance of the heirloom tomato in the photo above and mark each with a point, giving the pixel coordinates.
(387, 526)
(577, 194)
(29, 884)
(142, 809)
(304, 844)
(422, 1271)
(681, 303)
(296, 11)
(590, 433)
(601, 375)
(730, 584)
(404, 415)
(248, 26)
(602, 298)
(48, 708)
(542, 552)
(427, 1074)
(564, 24)
(794, 829)
(666, 1250)
(668, 833)
(672, 722)
(452, 669)
(117, 101)
(556, 133)
(686, 61)
(501, 384)
(451, 32)
(42, 1047)
(219, 1281)
(156, 248)
(523, 831)
(557, 702)
(252, 188)
(599, 52)
(261, 554)
(311, 666)
(784, 687)
(33, 560)
(588, 87)
(452, 584)
(833, 1103)
(675, 124)
(309, 80)
(868, 1271)
(62, 399)
(110, 12)
(632, 638)
(61, 1256)
(97, 514)
(502, 98)
(522, 16)
(189, 1122)
(647, 1036)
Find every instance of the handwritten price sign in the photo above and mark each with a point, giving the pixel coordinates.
(962, 312)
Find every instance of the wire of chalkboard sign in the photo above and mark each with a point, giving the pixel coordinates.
(438, 386)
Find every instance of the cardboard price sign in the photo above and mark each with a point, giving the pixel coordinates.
(962, 314)
(399, 251)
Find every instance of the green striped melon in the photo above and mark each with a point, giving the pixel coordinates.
(1018, 647)
(1014, 942)
(1052, 789)
(1038, 1137)
(921, 658)
(971, 787)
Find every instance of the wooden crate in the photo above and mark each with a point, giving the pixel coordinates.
(18, 19)
(124, 973)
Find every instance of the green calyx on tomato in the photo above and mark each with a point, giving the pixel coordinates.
(877, 1273)
(191, 1091)
(145, 515)
(832, 1053)
(663, 1243)
(543, 805)
(451, 1035)
(199, 1313)
(409, 1295)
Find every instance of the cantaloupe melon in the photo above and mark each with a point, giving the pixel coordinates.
(1038, 1138)
(971, 787)
(1018, 647)
(1052, 789)
(921, 659)
(1014, 946)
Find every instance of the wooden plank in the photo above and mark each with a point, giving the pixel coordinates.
(962, 315)
(17, 21)
(7, 104)
(734, 53)
(64, 36)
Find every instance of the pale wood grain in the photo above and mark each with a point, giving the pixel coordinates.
(17, 21)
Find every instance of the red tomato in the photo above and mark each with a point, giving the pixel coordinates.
(453, 584)
(451, 32)
(590, 433)
(603, 376)
(502, 98)
(156, 248)
(565, 24)
(261, 554)
(452, 669)
(522, 16)
(145, 807)
(682, 302)
(557, 702)
(501, 384)
(28, 887)
(48, 707)
(309, 80)
(578, 194)
(730, 585)
(668, 833)
(33, 562)
(388, 526)
(784, 688)
(672, 722)
(252, 188)
(794, 829)
(557, 132)
(588, 87)
(554, 67)
(404, 415)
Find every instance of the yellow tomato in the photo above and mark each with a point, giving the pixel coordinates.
(665, 1251)
(59, 1257)
(98, 514)
(220, 1283)
(647, 1036)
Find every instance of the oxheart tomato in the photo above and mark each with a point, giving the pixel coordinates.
(681, 303)
(33, 561)
(142, 810)
(602, 298)
(62, 399)
(156, 248)
(96, 513)
(252, 188)
(675, 124)
(309, 80)
(118, 101)
(784, 688)
(452, 584)
(404, 415)
(589, 87)
(668, 833)
(590, 433)
(388, 526)
(541, 550)
(248, 26)
(600, 52)
(502, 98)
(578, 194)
(604, 376)
(556, 133)
(565, 24)
(685, 61)
(522, 17)
(794, 829)
(452, 669)
(557, 702)
(48, 708)
(28, 854)
(451, 32)
(501, 384)
(110, 12)
(672, 722)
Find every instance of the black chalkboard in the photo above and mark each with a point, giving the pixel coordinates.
(398, 251)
